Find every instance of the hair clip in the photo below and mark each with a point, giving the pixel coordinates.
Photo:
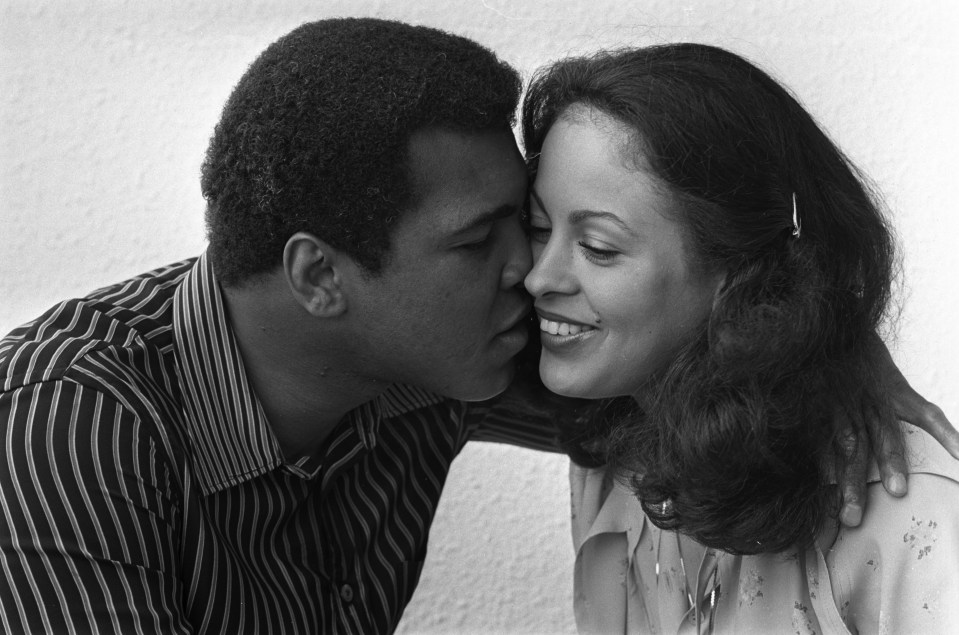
(797, 224)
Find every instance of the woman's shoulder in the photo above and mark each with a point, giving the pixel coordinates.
(930, 508)
(924, 455)
(896, 571)
(910, 527)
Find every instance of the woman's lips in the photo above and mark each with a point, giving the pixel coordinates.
(558, 332)
(555, 327)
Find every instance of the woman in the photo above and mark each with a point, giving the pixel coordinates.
(713, 267)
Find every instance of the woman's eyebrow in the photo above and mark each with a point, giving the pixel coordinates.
(539, 201)
(583, 215)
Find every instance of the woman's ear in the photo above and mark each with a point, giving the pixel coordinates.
(718, 280)
(311, 267)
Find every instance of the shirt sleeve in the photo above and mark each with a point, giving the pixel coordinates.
(88, 528)
(517, 417)
(896, 573)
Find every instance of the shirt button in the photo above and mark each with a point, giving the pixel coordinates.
(346, 593)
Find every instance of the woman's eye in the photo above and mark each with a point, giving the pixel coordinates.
(597, 254)
(538, 233)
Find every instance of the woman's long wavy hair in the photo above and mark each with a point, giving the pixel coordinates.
(737, 441)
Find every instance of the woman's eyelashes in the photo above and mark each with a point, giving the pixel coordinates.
(596, 254)
(539, 229)
(538, 233)
(537, 226)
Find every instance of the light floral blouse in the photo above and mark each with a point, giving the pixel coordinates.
(896, 573)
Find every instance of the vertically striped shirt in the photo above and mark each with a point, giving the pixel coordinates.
(143, 491)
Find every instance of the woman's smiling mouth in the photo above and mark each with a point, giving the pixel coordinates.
(562, 328)
(558, 332)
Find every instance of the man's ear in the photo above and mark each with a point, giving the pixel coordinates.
(312, 269)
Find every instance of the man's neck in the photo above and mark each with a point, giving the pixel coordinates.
(298, 375)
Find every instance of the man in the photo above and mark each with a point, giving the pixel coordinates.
(256, 440)
(233, 443)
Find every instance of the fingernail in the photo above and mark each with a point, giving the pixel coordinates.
(897, 485)
(851, 515)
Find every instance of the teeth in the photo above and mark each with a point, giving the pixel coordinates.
(562, 328)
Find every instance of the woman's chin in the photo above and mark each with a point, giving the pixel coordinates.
(568, 386)
(582, 387)
(564, 391)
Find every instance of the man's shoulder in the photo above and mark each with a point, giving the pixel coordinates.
(129, 322)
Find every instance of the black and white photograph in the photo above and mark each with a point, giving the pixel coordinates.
(672, 282)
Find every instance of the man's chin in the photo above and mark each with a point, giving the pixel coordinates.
(490, 386)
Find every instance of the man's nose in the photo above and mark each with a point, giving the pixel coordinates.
(519, 260)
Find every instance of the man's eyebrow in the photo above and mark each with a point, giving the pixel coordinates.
(487, 218)
(582, 215)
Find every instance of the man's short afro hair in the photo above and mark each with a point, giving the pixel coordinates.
(315, 134)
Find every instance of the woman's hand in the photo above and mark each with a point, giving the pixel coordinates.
(911, 407)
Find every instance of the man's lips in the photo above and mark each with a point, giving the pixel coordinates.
(518, 317)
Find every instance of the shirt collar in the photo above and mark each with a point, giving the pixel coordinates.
(230, 436)
(400, 399)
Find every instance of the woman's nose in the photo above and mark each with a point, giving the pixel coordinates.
(551, 272)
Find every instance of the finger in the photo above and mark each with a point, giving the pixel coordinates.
(893, 469)
(913, 408)
(853, 480)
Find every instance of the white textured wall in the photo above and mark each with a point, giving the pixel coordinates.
(106, 109)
